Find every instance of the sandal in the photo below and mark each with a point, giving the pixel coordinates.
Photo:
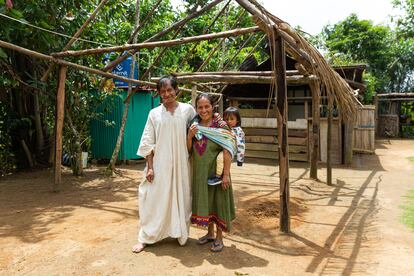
(217, 247)
(205, 239)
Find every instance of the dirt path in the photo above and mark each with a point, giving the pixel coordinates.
(352, 227)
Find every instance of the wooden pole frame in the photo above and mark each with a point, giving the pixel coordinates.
(282, 131)
(329, 143)
(79, 67)
(154, 44)
(60, 114)
(314, 148)
(240, 79)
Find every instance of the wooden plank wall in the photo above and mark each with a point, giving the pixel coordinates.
(364, 130)
(261, 135)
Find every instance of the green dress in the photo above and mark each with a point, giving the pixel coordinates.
(210, 203)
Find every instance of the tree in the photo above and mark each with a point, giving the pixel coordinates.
(386, 51)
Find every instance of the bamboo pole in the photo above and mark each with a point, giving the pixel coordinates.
(75, 37)
(315, 90)
(166, 43)
(240, 79)
(60, 113)
(77, 66)
(329, 143)
(282, 134)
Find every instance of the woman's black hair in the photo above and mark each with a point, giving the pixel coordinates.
(163, 81)
(232, 111)
(207, 96)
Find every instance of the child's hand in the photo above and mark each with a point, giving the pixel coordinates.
(225, 182)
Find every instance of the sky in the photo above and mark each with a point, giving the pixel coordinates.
(313, 15)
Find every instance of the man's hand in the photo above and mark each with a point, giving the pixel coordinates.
(150, 175)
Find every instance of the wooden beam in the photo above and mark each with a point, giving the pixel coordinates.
(80, 67)
(154, 44)
(329, 143)
(237, 73)
(282, 130)
(75, 37)
(314, 136)
(60, 113)
(240, 79)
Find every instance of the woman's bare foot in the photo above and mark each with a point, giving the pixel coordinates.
(138, 247)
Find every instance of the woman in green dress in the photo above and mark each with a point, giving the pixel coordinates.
(211, 204)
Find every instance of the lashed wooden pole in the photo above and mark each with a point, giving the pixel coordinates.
(282, 134)
(60, 113)
(77, 66)
(240, 79)
(314, 146)
(329, 142)
(75, 37)
(166, 43)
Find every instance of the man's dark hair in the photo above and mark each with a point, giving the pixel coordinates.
(163, 81)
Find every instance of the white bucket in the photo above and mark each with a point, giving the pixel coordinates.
(84, 159)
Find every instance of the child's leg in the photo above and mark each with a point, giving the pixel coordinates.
(220, 164)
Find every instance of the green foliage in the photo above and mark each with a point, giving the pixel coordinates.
(388, 52)
(7, 158)
(408, 207)
(371, 83)
(19, 74)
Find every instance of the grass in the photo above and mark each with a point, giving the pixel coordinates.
(411, 158)
(408, 207)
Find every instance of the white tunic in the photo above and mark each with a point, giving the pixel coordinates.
(165, 204)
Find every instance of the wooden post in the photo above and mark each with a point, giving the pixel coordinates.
(329, 142)
(282, 130)
(60, 113)
(376, 113)
(315, 88)
(193, 96)
(348, 140)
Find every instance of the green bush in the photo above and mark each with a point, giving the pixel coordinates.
(7, 158)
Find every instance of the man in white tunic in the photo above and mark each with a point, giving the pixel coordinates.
(165, 193)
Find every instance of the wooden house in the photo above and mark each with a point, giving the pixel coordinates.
(257, 106)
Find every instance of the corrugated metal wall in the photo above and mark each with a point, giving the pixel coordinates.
(104, 137)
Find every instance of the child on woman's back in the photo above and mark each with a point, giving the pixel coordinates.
(233, 119)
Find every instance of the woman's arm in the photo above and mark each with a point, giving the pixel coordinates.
(226, 170)
(191, 133)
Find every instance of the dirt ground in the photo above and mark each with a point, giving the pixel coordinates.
(352, 227)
